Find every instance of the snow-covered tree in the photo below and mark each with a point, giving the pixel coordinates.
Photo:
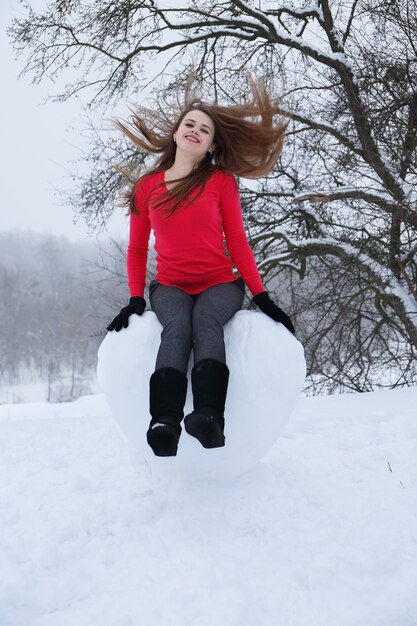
(340, 208)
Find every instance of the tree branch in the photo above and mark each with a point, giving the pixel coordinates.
(321, 125)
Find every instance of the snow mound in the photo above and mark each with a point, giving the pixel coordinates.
(267, 371)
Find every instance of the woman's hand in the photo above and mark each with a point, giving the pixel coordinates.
(268, 307)
(136, 305)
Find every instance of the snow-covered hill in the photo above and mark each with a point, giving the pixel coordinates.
(322, 533)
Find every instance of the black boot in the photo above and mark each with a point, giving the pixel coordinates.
(168, 390)
(209, 379)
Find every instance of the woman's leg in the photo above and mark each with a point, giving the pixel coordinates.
(168, 383)
(173, 308)
(210, 374)
(213, 308)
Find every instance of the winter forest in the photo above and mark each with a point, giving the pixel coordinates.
(333, 228)
(52, 324)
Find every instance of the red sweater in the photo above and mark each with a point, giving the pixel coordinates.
(190, 244)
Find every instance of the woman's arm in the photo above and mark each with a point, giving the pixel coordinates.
(137, 251)
(137, 256)
(236, 239)
(241, 252)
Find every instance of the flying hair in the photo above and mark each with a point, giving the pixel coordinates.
(247, 141)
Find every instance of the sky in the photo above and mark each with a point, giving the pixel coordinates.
(38, 147)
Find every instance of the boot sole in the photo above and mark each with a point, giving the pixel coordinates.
(163, 440)
(205, 429)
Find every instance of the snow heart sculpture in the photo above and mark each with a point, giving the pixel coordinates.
(267, 370)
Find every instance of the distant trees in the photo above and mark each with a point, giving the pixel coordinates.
(336, 222)
(51, 323)
(57, 298)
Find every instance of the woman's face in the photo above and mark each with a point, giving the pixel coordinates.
(195, 134)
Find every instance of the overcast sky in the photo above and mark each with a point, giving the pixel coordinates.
(36, 148)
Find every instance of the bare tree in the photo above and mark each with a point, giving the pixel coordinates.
(340, 207)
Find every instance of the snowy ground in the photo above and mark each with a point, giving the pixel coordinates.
(322, 533)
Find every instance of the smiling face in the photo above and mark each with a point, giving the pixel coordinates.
(195, 134)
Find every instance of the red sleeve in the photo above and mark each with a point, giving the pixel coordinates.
(236, 239)
(137, 250)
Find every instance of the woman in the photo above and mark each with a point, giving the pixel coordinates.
(191, 201)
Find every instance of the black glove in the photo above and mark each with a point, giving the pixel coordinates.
(268, 307)
(136, 305)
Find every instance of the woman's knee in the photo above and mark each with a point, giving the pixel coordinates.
(206, 323)
(218, 303)
(213, 317)
(178, 326)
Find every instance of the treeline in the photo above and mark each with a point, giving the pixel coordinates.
(57, 298)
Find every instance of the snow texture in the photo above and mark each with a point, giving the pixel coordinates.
(267, 371)
(321, 533)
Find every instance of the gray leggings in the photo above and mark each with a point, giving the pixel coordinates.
(193, 321)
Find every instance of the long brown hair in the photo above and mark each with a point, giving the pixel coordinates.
(243, 147)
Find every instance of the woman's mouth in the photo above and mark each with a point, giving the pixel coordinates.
(192, 138)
